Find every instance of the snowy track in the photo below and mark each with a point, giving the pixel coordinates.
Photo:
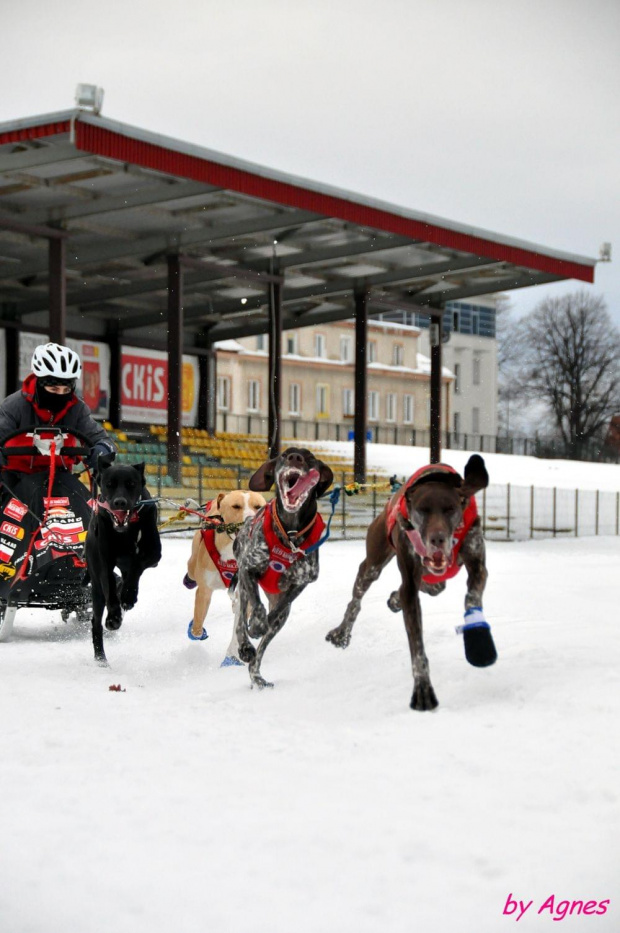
(190, 803)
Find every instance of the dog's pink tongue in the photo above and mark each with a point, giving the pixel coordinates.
(306, 481)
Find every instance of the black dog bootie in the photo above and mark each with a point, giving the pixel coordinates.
(477, 639)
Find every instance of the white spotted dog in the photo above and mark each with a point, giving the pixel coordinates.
(212, 565)
(431, 526)
(277, 550)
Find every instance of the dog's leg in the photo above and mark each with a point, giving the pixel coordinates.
(202, 601)
(96, 623)
(423, 697)
(232, 652)
(473, 555)
(478, 641)
(279, 613)
(247, 651)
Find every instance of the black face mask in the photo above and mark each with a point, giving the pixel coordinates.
(51, 400)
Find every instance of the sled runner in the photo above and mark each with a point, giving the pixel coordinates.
(44, 517)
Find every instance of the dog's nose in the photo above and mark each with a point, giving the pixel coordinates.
(438, 539)
(295, 459)
(120, 503)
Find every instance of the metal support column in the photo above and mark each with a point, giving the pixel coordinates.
(113, 339)
(57, 290)
(435, 342)
(359, 425)
(275, 367)
(11, 336)
(175, 364)
(207, 370)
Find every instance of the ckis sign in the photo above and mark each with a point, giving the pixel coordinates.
(144, 386)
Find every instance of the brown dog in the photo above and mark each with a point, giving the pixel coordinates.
(432, 527)
(212, 565)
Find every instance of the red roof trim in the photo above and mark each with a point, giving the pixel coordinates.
(34, 132)
(114, 145)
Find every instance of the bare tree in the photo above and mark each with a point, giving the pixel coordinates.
(571, 362)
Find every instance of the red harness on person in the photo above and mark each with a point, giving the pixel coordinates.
(398, 506)
(281, 554)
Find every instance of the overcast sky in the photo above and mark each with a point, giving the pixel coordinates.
(502, 114)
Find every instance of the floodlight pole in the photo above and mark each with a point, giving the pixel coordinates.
(360, 420)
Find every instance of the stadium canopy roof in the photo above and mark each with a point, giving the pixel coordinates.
(125, 199)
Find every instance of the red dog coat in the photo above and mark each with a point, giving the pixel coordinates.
(398, 506)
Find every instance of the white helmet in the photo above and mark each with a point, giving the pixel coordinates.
(50, 359)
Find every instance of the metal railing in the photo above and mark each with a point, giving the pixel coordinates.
(507, 512)
(407, 436)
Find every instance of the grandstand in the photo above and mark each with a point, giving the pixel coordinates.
(209, 464)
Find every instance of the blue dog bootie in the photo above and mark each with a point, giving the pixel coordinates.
(478, 642)
(231, 661)
(201, 637)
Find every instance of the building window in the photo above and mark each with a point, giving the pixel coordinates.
(348, 403)
(291, 345)
(261, 342)
(408, 409)
(456, 321)
(398, 354)
(475, 420)
(253, 395)
(319, 345)
(294, 398)
(373, 406)
(345, 349)
(322, 401)
(476, 371)
(475, 322)
(390, 407)
(371, 351)
(223, 393)
(457, 422)
(457, 378)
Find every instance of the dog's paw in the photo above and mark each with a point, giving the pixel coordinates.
(479, 646)
(257, 624)
(260, 682)
(423, 698)
(247, 653)
(339, 637)
(394, 602)
(129, 598)
(114, 619)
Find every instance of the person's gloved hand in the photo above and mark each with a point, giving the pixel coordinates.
(101, 447)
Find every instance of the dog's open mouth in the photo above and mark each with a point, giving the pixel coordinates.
(436, 563)
(295, 487)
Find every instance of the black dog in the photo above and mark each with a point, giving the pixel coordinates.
(277, 549)
(122, 533)
(431, 526)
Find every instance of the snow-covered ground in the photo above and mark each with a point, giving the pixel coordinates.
(502, 468)
(190, 803)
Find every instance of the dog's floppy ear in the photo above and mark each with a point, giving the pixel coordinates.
(220, 496)
(140, 468)
(476, 476)
(327, 478)
(263, 479)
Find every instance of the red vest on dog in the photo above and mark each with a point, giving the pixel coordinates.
(281, 556)
(398, 506)
(226, 568)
